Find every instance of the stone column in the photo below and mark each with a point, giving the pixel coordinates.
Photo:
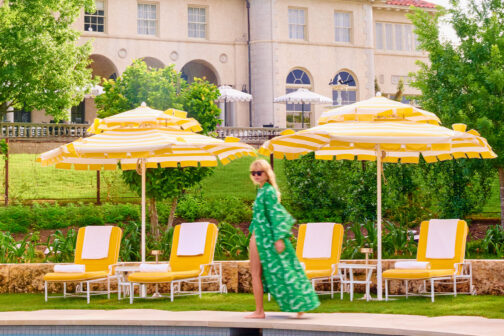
(369, 31)
(261, 58)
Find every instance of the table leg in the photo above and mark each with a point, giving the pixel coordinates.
(351, 284)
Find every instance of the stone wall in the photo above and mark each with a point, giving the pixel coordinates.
(488, 278)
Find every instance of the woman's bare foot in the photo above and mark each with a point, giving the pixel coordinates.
(256, 315)
(299, 315)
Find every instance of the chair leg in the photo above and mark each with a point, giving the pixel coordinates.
(199, 286)
(108, 288)
(269, 297)
(64, 289)
(432, 289)
(171, 291)
(45, 290)
(132, 292)
(88, 292)
(406, 287)
(386, 289)
(454, 286)
(332, 287)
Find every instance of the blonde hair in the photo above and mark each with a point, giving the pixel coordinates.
(263, 165)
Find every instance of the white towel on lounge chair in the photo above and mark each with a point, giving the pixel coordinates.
(412, 265)
(192, 238)
(74, 268)
(318, 240)
(96, 242)
(155, 268)
(441, 239)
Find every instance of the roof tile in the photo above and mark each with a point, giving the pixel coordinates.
(416, 3)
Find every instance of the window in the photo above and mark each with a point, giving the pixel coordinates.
(395, 36)
(147, 19)
(344, 89)
(298, 115)
(95, 21)
(78, 113)
(22, 115)
(197, 22)
(297, 24)
(342, 27)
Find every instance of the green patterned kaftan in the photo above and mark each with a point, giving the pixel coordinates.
(282, 274)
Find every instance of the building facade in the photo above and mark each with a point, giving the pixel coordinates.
(337, 48)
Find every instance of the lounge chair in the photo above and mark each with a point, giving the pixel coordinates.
(96, 252)
(191, 261)
(440, 258)
(319, 250)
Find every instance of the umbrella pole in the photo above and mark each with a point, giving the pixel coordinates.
(302, 115)
(143, 209)
(379, 222)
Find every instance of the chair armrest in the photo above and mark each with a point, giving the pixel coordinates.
(334, 269)
(214, 267)
(465, 268)
(303, 265)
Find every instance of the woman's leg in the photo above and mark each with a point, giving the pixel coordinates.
(257, 286)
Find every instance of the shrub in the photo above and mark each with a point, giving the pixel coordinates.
(116, 213)
(493, 243)
(232, 243)
(16, 219)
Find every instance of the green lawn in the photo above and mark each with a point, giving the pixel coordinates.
(486, 306)
(28, 180)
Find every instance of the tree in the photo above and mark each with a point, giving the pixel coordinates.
(41, 65)
(464, 81)
(161, 89)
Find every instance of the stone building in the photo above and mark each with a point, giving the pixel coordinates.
(336, 48)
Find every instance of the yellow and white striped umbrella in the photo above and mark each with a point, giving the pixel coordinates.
(378, 109)
(146, 117)
(384, 141)
(400, 141)
(157, 147)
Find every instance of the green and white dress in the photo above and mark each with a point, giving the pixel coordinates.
(282, 274)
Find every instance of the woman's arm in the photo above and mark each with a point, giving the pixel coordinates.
(281, 221)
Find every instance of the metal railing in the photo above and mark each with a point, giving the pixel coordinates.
(17, 130)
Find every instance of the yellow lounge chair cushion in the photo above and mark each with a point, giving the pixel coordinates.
(157, 277)
(313, 274)
(63, 276)
(414, 274)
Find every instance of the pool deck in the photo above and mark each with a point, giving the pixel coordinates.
(380, 324)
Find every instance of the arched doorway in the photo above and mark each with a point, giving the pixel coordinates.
(199, 69)
(153, 63)
(102, 66)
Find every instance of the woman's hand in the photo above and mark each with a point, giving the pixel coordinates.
(280, 246)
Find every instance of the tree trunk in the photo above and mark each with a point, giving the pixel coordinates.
(501, 185)
(154, 221)
(172, 212)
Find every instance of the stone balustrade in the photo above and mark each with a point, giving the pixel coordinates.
(40, 131)
(488, 277)
(50, 132)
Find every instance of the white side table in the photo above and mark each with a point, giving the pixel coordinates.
(122, 278)
(346, 275)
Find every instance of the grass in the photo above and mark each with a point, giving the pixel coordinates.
(486, 306)
(29, 180)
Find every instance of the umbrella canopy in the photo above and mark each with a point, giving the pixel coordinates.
(382, 141)
(95, 90)
(121, 140)
(146, 117)
(156, 147)
(378, 109)
(228, 95)
(401, 141)
(303, 96)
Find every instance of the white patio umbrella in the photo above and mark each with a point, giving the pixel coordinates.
(303, 96)
(95, 90)
(230, 95)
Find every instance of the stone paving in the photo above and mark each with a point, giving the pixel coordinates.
(376, 324)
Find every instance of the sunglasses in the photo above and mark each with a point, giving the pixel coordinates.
(256, 173)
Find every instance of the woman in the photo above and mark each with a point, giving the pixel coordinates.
(273, 263)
